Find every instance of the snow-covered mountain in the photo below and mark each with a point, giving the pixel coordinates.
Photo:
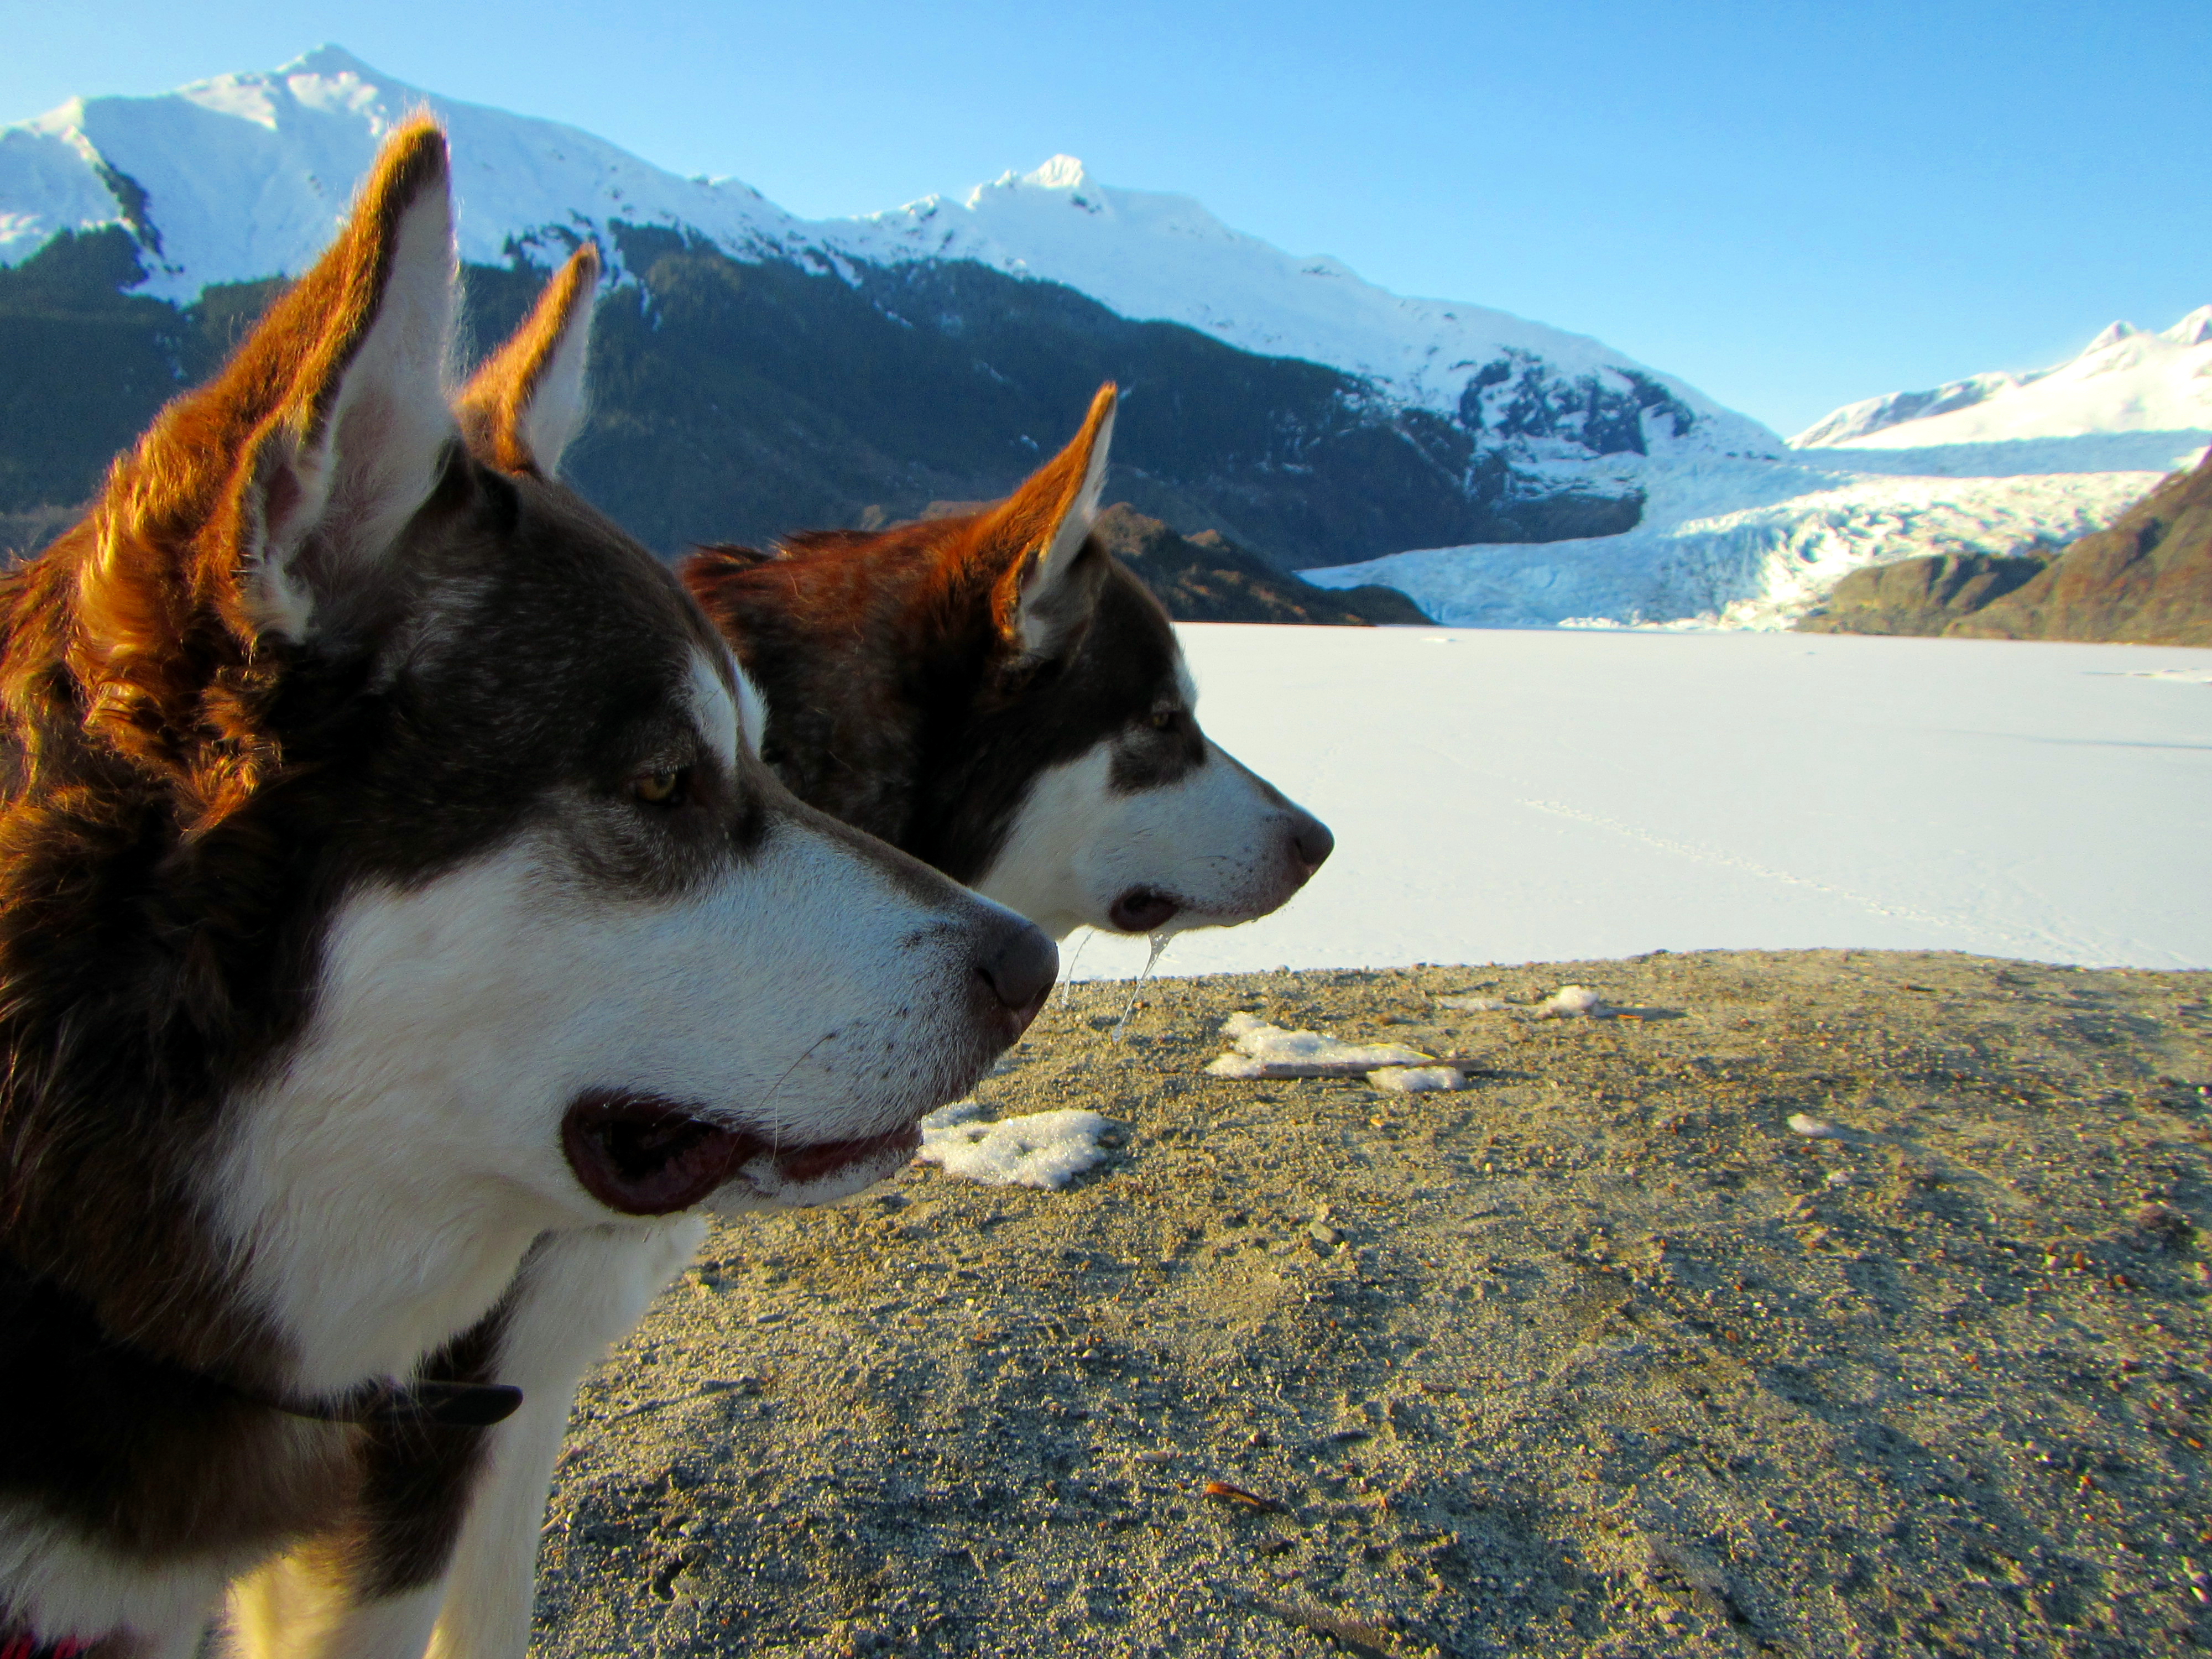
(2126, 391)
(244, 176)
(1154, 255)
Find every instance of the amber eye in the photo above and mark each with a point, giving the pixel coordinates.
(1165, 720)
(661, 788)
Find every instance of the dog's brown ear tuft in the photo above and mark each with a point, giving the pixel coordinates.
(524, 405)
(361, 436)
(1043, 596)
(257, 499)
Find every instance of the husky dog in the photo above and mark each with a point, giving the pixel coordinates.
(399, 940)
(998, 696)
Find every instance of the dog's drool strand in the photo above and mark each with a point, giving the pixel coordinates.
(1067, 973)
(1160, 944)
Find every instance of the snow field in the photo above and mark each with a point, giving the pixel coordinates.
(1511, 796)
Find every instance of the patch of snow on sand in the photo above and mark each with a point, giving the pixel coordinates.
(1262, 1050)
(1559, 796)
(1573, 1002)
(1417, 1080)
(1043, 1149)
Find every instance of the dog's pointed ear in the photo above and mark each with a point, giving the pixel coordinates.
(286, 481)
(363, 433)
(1044, 597)
(270, 504)
(524, 405)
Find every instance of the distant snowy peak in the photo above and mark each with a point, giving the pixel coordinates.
(2195, 329)
(246, 176)
(1058, 173)
(2126, 379)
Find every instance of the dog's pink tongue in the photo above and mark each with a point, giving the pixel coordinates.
(642, 1154)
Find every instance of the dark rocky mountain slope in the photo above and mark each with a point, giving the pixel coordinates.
(1923, 596)
(2146, 579)
(740, 401)
(1208, 578)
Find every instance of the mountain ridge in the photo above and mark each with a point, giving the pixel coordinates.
(2127, 379)
(291, 141)
(1528, 426)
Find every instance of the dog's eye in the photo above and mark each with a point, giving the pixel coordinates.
(1167, 720)
(662, 788)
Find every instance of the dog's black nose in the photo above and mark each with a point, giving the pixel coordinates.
(1020, 964)
(1311, 840)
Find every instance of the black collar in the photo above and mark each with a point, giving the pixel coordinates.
(444, 1405)
(57, 1330)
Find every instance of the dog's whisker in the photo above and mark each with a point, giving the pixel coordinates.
(769, 1099)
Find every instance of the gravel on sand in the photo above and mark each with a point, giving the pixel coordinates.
(1598, 1356)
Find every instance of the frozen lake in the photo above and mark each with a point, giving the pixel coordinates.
(1514, 796)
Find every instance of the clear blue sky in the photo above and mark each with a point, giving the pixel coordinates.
(1790, 205)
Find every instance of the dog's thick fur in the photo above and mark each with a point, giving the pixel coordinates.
(998, 696)
(399, 939)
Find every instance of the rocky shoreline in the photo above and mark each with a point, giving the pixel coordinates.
(1600, 1356)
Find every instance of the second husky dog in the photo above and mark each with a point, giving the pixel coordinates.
(998, 696)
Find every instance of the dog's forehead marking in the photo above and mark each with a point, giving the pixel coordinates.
(716, 711)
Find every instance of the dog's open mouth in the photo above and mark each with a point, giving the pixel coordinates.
(645, 1155)
(1143, 911)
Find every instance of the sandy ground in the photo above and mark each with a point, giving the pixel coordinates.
(1596, 1358)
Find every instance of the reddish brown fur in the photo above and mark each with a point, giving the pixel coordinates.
(1019, 529)
(136, 618)
(901, 698)
(138, 699)
(491, 408)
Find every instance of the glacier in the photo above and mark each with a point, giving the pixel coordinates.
(1749, 543)
(1999, 464)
